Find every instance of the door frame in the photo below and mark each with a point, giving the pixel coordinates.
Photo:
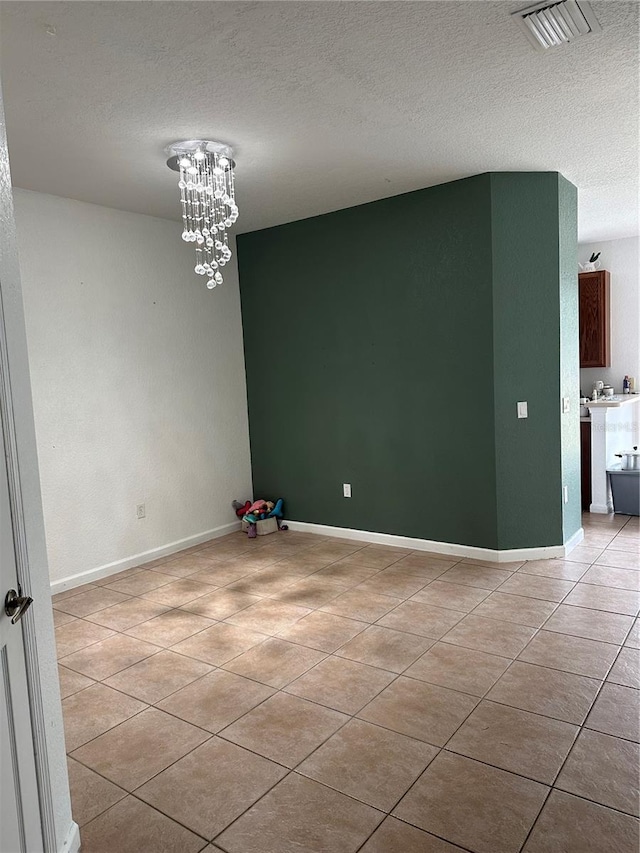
(60, 833)
(20, 544)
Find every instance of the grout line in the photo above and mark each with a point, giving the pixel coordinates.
(205, 742)
(289, 770)
(125, 793)
(573, 745)
(414, 826)
(106, 731)
(381, 812)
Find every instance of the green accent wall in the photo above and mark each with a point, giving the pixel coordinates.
(526, 335)
(380, 352)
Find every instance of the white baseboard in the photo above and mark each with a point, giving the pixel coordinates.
(573, 541)
(449, 548)
(71, 843)
(145, 557)
(602, 509)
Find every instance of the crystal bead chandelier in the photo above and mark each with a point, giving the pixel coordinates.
(207, 197)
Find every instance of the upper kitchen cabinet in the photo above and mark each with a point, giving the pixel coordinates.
(595, 343)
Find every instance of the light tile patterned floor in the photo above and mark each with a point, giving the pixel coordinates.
(297, 693)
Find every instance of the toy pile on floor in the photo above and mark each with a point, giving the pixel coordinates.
(252, 514)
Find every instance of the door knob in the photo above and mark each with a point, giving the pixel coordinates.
(15, 606)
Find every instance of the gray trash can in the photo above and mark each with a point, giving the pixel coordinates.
(625, 488)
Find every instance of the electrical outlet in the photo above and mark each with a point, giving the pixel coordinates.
(565, 406)
(346, 490)
(141, 511)
(565, 494)
(523, 410)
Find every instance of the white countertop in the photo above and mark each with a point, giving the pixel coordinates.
(613, 402)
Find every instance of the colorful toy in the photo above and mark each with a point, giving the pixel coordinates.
(241, 509)
(257, 511)
(277, 510)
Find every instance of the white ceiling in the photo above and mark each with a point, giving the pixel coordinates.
(328, 104)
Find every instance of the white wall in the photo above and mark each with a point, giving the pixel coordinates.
(622, 259)
(138, 383)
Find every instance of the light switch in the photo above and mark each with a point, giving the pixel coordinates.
(565, 405)
(523, 410)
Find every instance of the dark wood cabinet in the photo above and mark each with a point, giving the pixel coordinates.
(585, 463)
(595, 345)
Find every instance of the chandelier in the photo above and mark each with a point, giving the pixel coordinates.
(207, 197)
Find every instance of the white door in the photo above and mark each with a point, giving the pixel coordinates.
(19, 809)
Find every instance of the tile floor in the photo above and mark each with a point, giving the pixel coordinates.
(297, 693)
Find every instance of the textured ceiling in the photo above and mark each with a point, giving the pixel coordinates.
(328, 104)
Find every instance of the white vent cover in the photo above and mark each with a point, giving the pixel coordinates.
(551, 24)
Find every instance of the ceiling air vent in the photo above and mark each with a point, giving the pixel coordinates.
(551, 24)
